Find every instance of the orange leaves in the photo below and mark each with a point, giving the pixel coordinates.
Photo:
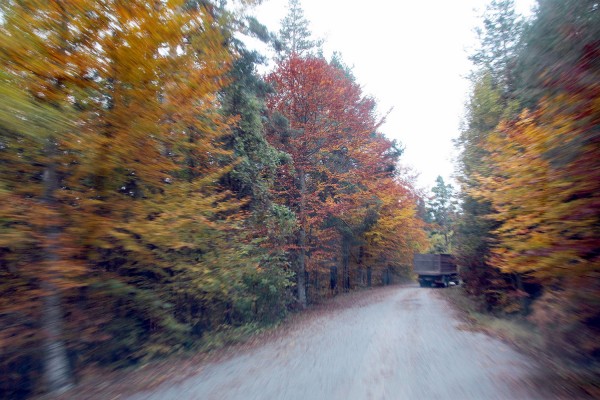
(124, 94)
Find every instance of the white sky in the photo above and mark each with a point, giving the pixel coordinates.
(409, 55)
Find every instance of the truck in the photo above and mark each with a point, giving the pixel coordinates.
(435, 270)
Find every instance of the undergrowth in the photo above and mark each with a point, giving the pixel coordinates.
(569, 379)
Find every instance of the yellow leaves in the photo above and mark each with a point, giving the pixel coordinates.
(398, 232)
(23, 115)
(129, 92)
(540, 192)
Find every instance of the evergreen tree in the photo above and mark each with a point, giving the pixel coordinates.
(295, 35)
(473, 235)
(441, 208)
(252, 179)
(560, 50)
(493, 98)
(499, 44)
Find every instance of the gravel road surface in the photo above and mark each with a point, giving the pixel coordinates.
(404, 344)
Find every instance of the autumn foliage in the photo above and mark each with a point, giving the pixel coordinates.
(530, 174)
(343, 184)
(158, 196)
(544, 193)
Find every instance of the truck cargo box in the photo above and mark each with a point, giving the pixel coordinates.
(433, 264)
(435, 269)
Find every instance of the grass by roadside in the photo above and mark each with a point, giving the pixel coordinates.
(517, 331)
(562, 378)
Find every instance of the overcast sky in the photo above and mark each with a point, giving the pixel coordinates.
(409, 55)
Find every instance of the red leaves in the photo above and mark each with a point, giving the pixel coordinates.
(341, 165)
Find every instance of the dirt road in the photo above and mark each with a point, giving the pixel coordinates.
(403, 344)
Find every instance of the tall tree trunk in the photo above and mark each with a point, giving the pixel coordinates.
(56, 373)
(301, 267)
(333, 279)
(446, 242)
(345, 263)
(385, 277)
(369, 271)
(360, 266)
(518, 283)
(316, 291)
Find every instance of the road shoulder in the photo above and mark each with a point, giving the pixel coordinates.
(555, 378)
(101, 383)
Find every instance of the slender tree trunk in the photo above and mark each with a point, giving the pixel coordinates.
(369, 271)
(316, 290)
(519, 286)
(360, 265)
(345, 263)
(57, 374)
(447, 240)
(333, 279)
(301, 267)
(307, 284)
(385, 277)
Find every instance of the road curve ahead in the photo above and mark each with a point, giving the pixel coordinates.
(404, 344)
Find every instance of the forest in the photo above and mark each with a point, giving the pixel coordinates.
(527, 232)
(159, 195)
